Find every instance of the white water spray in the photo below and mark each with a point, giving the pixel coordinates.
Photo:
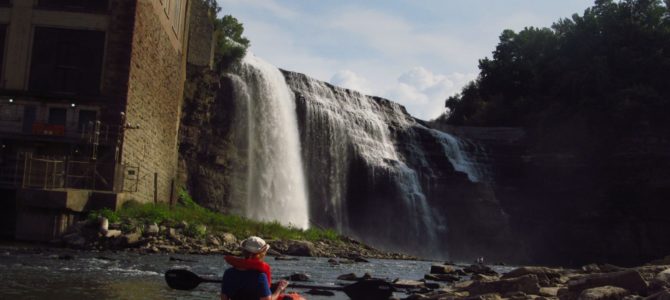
(459, 159)
(275, 181)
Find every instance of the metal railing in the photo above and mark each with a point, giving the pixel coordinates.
(43, 173)
(62, 172)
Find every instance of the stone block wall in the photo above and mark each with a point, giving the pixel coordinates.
(201, 34)
(117, 59)
(155, 93)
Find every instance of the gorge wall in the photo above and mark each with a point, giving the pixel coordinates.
(374, 172)
(600, 200)
(371, 170)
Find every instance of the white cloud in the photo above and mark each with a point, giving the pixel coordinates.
(350, 80)
(396, 38)
(270, 6)
(424, 92)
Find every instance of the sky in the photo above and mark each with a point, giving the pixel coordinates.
(414, 52)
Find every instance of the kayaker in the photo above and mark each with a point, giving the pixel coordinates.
(250, 277)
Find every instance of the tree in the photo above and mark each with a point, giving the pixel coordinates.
(230, 45)
(612, 59)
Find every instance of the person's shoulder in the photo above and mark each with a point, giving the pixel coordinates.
(230, 271)
(262, 277)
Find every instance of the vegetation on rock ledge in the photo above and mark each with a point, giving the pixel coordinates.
(201, 221)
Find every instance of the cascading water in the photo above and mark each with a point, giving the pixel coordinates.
(275, 177)
(367, 168)
(350, 147)
(453, 149)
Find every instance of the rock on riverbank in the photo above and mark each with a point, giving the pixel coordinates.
(591, 282)
(195, 239)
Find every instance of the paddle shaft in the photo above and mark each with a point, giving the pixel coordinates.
(318, 287)
(291, 285)
(367, 289)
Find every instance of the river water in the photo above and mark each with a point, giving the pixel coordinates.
(65, 274)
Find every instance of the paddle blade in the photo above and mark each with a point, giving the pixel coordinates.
(182, 279)
(374, 289)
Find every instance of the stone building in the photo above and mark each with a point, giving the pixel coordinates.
(90, 97)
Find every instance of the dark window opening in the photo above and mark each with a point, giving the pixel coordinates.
(5, 3)
(87, 119)
(77, 5)
(29, 117)
(3, 34)
(57, 116)
(66, 61)
(7, 213)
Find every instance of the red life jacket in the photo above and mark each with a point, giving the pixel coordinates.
(250, 264)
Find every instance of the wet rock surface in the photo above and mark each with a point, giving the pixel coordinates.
(527, 282)
(182, 238)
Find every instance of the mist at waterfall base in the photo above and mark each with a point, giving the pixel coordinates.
(320, 155)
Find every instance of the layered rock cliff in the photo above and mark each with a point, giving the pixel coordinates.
(603, 199)
(372, 171)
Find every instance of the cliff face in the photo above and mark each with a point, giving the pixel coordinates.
(212, 156)
(372, 171)
(597, 200)
(398, 182)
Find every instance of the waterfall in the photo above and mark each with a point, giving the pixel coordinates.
(362, 183)
(275, 178)
(453, 149)
(373, 171)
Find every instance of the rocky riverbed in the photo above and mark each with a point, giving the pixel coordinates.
(443, 281)
(195, 239)
(591, 282)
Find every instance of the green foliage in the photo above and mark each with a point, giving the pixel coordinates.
(186, 200)
(196, 230)
(111, 215)
(609, 65)
(230, 45)
(202, 220)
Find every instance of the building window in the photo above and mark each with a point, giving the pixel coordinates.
(57, 116)
(66, 61)
(76, 5)
(87, 119)
(3, 34)
(5, 3)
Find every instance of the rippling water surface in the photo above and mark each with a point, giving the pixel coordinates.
(108, 275)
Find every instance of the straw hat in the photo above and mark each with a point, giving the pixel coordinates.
(254, 245)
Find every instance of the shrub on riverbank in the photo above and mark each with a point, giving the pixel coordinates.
(195, 216)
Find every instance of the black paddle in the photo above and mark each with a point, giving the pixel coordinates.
(181, 279)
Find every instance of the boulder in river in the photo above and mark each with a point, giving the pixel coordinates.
(129, 239)
(480, 269)
(545, 276)
(527, 284)
(74, 240)
(301, 248)
(113, 233)
(228, 238)
(663, 278)
(630, 280)
(442, 277)
(441, 269)
(604, 293)
(662, 295)
(298, 277)
(152, 229)
(408, 284)
(353, 277)
(213, 241)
